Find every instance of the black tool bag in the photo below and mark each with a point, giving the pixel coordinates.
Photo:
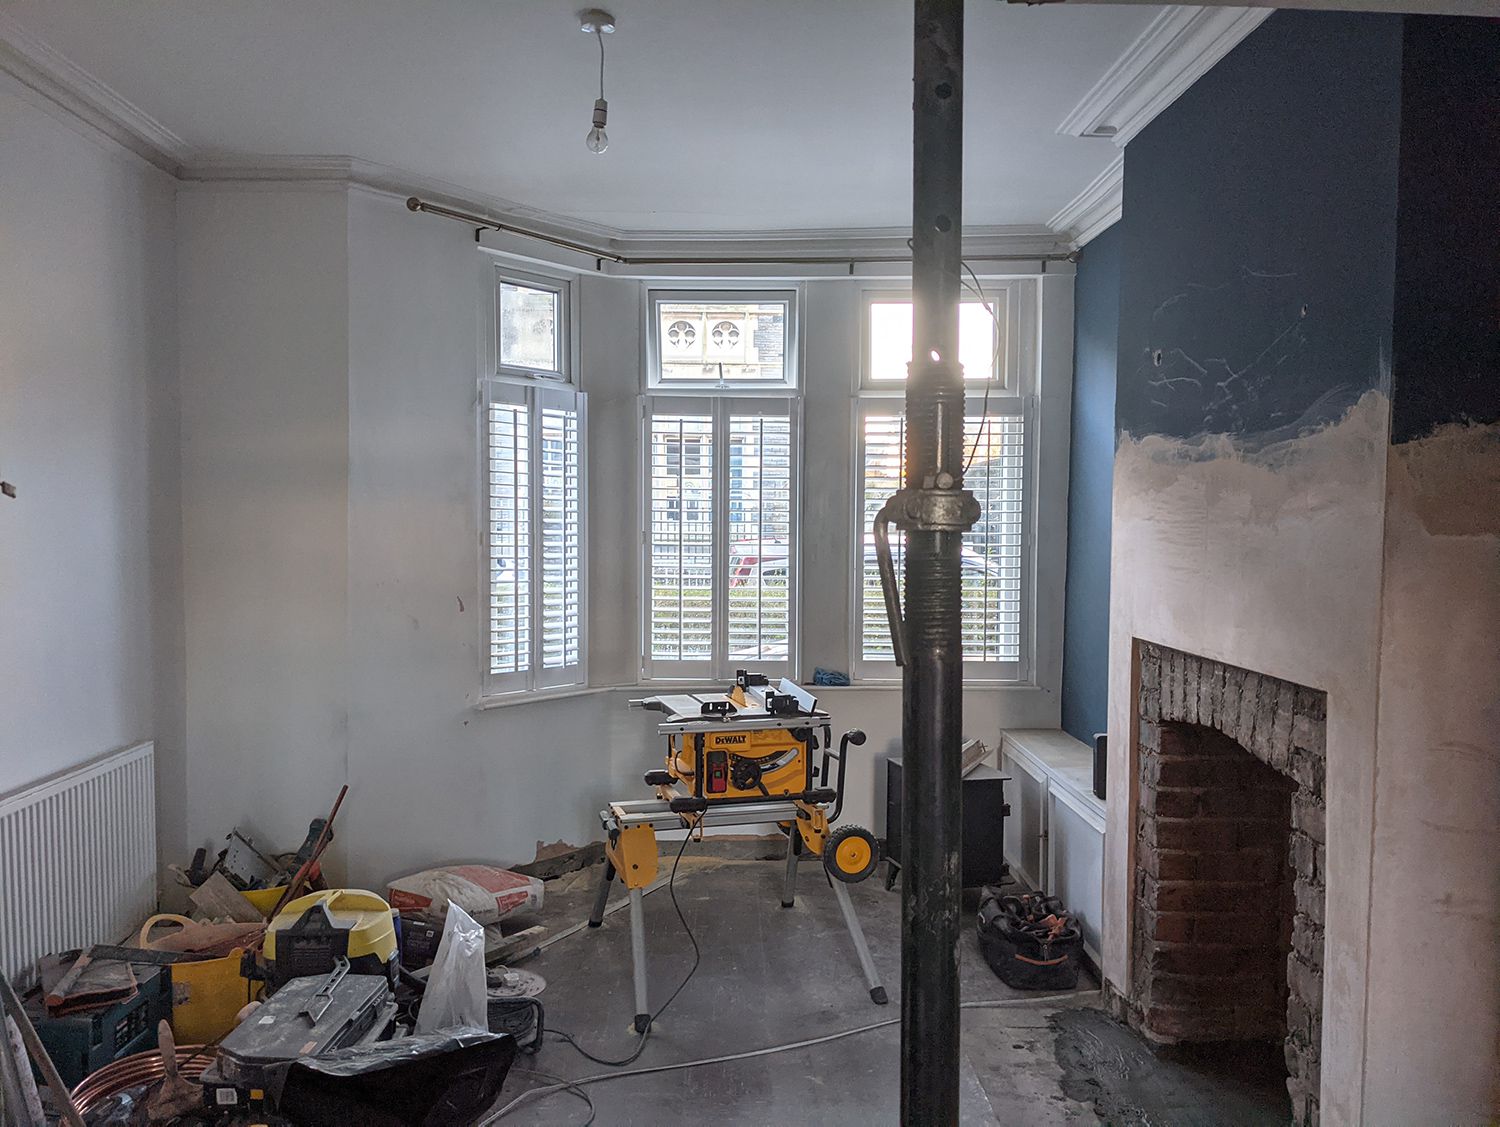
(1029, 940)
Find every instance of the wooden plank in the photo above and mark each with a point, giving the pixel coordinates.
(11, 1005)
(219, 899)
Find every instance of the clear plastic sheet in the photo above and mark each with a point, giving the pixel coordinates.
(456, 994)
(359, 1060)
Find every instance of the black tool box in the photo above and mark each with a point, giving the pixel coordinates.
(360, 1007)
(84, 1042)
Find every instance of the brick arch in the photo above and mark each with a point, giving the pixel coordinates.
(1229, 872)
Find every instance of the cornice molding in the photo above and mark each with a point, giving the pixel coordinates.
(1176, 49)
(62, 82)
(229, 169)
(1095, 208)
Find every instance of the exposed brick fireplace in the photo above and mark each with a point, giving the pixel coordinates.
(1228, 876)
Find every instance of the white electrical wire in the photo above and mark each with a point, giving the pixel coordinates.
(600, 1077)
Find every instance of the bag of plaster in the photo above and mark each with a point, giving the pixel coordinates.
(455, 994)
(485, 892)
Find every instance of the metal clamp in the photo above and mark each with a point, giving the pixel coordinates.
(941, 509)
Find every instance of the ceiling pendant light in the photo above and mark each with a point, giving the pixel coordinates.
(599, 23)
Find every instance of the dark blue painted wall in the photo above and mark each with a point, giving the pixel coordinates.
(1447, 331)
(1259, 255)
(1091, 464)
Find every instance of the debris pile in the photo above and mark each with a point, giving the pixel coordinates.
(281, 1001)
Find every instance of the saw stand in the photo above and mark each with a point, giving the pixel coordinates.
(631, 828)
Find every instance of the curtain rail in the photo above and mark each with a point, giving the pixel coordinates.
(484, 223)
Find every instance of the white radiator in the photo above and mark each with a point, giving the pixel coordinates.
(78, 858)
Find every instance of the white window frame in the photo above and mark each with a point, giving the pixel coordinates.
(720, 408)
(563, 290)
(791, 351)
(535, 397)
(1009, 296)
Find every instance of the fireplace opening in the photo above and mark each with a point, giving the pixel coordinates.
(1215, 898)
(1226, 941)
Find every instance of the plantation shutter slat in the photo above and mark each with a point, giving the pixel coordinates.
(534, 541)
(508, 459)
(993, 550)
(681, 479)
(760, 538)
(559, 521)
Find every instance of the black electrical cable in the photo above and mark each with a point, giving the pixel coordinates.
(978, 291)
(640, 1046)
(984, 407)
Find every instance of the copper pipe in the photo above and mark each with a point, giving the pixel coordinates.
(135, 1071)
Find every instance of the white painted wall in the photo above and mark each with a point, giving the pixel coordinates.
(264, 316)
(365, 376)
(89, 632)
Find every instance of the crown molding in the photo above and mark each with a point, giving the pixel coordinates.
(1176, 49)
(240, 170)
(1095, 208)
(63, 83)
(74, 90)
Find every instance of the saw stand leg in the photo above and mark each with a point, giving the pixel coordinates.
(793, 850)
(601, 898)
(857, 933)
(637, 939)
(638, 958)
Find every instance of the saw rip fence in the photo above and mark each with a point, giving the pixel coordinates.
(77, 858)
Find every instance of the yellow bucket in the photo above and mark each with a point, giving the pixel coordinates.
(206, 995)
(264, 899)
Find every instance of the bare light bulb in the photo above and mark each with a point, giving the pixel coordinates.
(598, 140)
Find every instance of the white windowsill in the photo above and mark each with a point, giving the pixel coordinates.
(537, 696)
(664, 688)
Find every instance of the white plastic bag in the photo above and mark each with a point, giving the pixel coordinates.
(456, 993)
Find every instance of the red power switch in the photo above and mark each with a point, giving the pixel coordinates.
(718, 772)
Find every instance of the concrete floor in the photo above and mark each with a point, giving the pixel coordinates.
(770, 976)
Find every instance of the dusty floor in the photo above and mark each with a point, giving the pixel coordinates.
(770, 976)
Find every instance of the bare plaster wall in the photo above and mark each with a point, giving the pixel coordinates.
(1434, 991)
(1269, 560)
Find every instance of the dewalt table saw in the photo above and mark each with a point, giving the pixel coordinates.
(745, 757)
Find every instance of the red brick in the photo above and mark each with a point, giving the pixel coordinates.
(1207, 960)
(1261, 865)
(1229, 927)
(1203, 896)
(1196, 833)
(1187, 1022)
(1176, 803)
(1171, 927)
(1176, 864)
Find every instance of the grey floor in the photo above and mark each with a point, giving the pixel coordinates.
(770, 976)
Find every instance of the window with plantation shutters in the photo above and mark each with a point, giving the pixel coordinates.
(994, 550)
(721, 538)
(534, 549)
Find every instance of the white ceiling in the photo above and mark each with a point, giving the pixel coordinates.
(724, 114)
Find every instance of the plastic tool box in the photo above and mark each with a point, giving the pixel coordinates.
(84, 1042)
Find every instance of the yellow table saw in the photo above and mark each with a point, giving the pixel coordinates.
(746, 757)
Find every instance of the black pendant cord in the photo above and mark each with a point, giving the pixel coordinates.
(934, 511)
